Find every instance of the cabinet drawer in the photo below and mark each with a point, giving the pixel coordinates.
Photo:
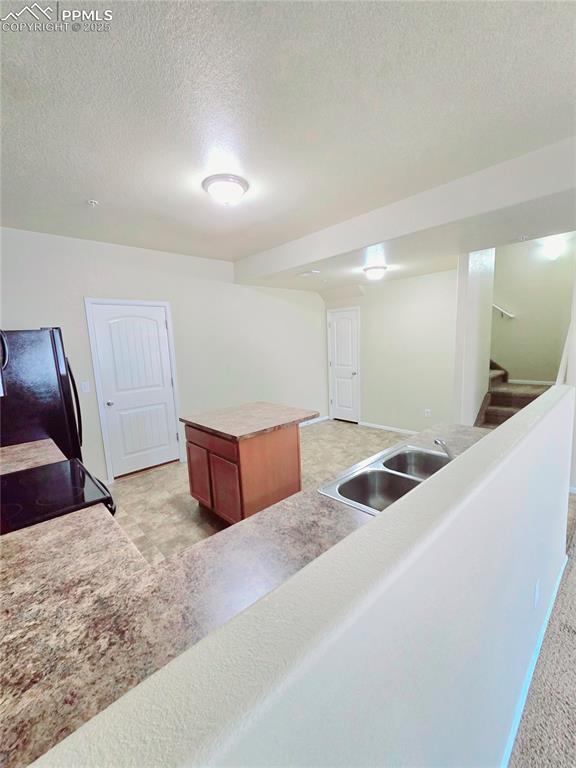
(226, 489)
(199, 474)
(225, 448)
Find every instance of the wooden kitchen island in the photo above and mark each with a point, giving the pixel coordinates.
(244, 459)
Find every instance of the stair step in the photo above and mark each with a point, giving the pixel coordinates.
(497, 376)
(511, 399)
(498, 414)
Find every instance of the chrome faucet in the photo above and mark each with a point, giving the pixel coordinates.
(444, 447)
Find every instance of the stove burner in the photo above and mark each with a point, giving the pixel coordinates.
(31, 496)
(64, 496)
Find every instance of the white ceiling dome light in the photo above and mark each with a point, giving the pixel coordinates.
(554, 246)
(375, 272)
(225, 188)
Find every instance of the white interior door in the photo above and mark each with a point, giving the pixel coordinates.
(135, 383)
(343, 364)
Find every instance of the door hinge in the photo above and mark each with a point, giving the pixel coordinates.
(177, 437)
(172, 381)
(331, 401)
(330, 363)
(166, 324)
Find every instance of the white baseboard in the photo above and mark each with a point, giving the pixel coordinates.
(531, 381)
(388, 429)
(314, 421)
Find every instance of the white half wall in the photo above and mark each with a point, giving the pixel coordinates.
(233, 343)
(569, 373)
(409, 643)
(473, 332)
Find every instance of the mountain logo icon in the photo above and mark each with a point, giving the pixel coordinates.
(39, 13)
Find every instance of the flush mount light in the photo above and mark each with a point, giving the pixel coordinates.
(225, 188)
(309, 273)
(92, 203)
(553, 246)
(375, 272)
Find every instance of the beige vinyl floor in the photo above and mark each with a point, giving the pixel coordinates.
(162, 519)
(157, 512)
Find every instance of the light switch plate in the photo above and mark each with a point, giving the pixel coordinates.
(85, 386)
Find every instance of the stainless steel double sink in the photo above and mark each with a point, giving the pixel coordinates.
(374, 484)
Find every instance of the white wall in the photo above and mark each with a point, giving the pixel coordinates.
(411, 642)
(473, 332)
(233, 343)
(407, 350)
(539, 292)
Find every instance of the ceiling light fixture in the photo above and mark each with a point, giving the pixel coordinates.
(375, 272)
(92, 203)
(553, 246)
(225, 188)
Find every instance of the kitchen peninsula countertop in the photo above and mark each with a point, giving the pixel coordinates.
(86, 617)
(243, 421)
(13, 458)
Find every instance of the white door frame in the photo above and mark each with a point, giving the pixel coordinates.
(329, 313)
(89, 303)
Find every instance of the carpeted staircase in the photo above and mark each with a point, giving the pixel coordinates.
(503, 399)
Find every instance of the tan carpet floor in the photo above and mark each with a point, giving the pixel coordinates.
(159, 515)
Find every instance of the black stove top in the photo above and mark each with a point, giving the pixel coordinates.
(34, 495)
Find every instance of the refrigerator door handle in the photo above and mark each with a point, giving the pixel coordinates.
(5, 356)
(76, 401)
(5, 350)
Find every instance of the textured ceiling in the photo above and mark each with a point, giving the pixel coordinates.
(329, 109)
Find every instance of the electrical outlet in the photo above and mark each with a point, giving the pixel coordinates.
(536, 593)
(427, 412)
(85, 386)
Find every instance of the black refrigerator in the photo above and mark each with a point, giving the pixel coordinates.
(39, 400)
(39, 392)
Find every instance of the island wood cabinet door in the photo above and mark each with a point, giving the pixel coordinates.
(199, 474)
(236, 479)
(226, 485)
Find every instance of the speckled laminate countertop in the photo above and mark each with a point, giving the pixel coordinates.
(13, 458)
(244, 421)
(86, 618)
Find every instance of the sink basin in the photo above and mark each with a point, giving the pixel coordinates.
(377, 482)
(416, 463)
(375, 488)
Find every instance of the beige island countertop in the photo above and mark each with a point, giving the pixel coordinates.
(86, 618)
(241, 422)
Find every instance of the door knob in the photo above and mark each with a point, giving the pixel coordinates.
(109, 402)
(354, 373)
